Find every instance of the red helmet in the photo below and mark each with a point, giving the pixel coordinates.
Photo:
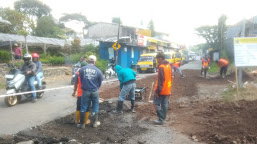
(35, 55)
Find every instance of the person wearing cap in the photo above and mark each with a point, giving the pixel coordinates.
(77, 88)
(91, 79)
(162, 89)
(17, 52)
(39, 71)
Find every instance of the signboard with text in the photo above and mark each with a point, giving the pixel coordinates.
(245, 51)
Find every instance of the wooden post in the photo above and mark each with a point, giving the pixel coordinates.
(237, 85)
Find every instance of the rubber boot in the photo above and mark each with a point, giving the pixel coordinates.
(82, 120)
(87, 121)
(119, 107)
(96, 123)
(132, 106)
(160, 115)
(77, 117)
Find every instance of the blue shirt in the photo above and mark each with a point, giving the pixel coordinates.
(39, 66)
(91, 78)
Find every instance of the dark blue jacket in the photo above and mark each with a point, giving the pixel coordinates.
(91, 78)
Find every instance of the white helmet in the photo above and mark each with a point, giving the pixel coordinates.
(27, 58)
(92, 58)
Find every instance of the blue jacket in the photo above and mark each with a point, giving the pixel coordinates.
(91, 78)
(125, 74)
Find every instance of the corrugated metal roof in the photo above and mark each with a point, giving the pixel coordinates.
(34, 40)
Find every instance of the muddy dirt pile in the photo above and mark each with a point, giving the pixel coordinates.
(113, 129)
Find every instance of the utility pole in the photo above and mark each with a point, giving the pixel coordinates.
(240, 69)
(117, 45)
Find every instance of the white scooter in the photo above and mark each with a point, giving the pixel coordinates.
(16, 83)
(109, 72)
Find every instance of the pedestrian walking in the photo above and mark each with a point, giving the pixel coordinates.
(162, 88)
(91, 79)
(127, 78)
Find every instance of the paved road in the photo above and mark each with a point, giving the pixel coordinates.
(194, 65)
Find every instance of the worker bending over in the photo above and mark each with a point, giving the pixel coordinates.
(175, 67)
(223, 63)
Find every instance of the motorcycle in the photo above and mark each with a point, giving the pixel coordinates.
(109, 72)
(16, 83)
(75, 69)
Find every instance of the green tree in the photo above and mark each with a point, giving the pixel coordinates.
(210, 34)
(18, 21)
(116, 20)
(46, 27)
(74, 16)
(32, 8)
(198, 47)
(151, 27)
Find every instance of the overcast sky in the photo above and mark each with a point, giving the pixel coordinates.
(179, 18)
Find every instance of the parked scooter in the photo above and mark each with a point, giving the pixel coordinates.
(16, 83)
(75, 69)
(109, 72)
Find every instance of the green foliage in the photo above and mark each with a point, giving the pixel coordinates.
(76, 42)
(75, 57)
(213, 68)
(101, 64)
(18, 21)
(198, 47)
(210, 34)
(32, 8)
(151, 27)
(55, 60)
(46, 27)
(4, 57)
(116, 20)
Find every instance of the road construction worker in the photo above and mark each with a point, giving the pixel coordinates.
(29, 68)
(175, 67)
(127, 78)
(77, 88)
(91, 79)
(205, 65)
(223, 63)
(39, 71)
(162, 88)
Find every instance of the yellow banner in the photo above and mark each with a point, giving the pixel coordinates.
(152, 47)
(152, 40)
(144, 32)
(245, 40)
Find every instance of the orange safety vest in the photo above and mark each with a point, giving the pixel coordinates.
(223, 62)
(79, 90)
(176, 64)
(166, 85)
(205, 63)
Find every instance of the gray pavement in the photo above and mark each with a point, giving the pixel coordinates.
(193, 65)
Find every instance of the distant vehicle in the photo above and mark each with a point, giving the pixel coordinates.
(147, 63)
(173, 57)
(75, 69)
(109, 72)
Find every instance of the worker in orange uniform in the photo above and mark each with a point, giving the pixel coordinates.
(223, 63)
(77, 87)
(175, 67)
(162, 88)
(205, 65)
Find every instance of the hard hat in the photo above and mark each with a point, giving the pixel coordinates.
(35, 55)
(92, 58)
(15, 44)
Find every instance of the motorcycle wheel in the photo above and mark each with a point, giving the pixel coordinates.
(40, 94)
(11, 100)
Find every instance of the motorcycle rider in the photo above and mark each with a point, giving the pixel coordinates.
(29, 69)
(82, 59)
(39, 71)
